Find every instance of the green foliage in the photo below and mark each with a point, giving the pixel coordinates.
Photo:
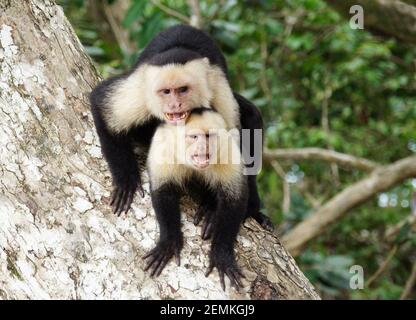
(293, 59)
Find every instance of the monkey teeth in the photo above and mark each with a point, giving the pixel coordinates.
(173, 117)
(201, 161)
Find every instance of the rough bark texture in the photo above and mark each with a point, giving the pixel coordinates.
(58, 238)
(386, 17)
(379, 180)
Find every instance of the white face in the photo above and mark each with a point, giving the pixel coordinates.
(175, 90)
(176, 101)
(201, 147)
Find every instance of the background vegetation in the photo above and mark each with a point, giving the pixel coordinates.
(318, 83)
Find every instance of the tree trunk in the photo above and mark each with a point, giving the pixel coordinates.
(58, 238)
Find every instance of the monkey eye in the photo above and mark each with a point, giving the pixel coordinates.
(183, 89)
(166, 91)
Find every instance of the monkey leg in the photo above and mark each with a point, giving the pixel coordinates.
(165, 202)
(228, 218)
(253, 206)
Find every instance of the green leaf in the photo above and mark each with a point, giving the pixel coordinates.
(134, 13)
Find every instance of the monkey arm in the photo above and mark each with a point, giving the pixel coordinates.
(118, 151)
(165, 201)
(250, 118)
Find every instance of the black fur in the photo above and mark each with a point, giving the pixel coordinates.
(250, 118)
(223, 217)
(178, 44)
(174, 55)
(183, 37)
(201, 110)
(165, 201)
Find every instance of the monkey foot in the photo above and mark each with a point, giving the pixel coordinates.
(199, 215)
(208, 225)
(264, 221)
(122, 197)
(226, 265)
(159, 256)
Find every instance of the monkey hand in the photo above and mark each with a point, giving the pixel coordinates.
(208, 225)
(226, 264)
(123, 193)
(264, 221)
(159, 256)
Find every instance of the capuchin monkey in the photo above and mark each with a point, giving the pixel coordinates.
(201, 159)
(179, 70)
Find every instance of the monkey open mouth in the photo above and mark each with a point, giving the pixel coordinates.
(178, 116)
(201, 160)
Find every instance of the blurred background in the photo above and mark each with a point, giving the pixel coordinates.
(318, 83)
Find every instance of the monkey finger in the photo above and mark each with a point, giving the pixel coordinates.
(178, 256)
(122, 203)
(140, 190)
(222, 281)
(157, 264)
(162, 266)
(268, 225)
(233, 282)
(117, 200)
(207, 230)
(150, 263)
(150, 253)
(241, 273)
(115, 195)
(112, 197)
(198, 216)
(209, 270)
(234, 277)
(117, 204)
(129, 201)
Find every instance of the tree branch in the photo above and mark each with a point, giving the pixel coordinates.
(196, 19)
(171, 11)
(108, 19)
(115, 13)
(286, 188)
(386, 17)
(383, 266)
(411, 2)
(379, 180)
(319, 154)
(410, 283)
(393, 231)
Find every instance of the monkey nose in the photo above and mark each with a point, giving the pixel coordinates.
(177, 106)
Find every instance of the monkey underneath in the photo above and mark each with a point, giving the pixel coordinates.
(201, 159)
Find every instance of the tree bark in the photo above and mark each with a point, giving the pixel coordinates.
(385, 17)
(58, 238)
(379, 180)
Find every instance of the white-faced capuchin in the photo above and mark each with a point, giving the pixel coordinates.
(179, 70)
(201, 159)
